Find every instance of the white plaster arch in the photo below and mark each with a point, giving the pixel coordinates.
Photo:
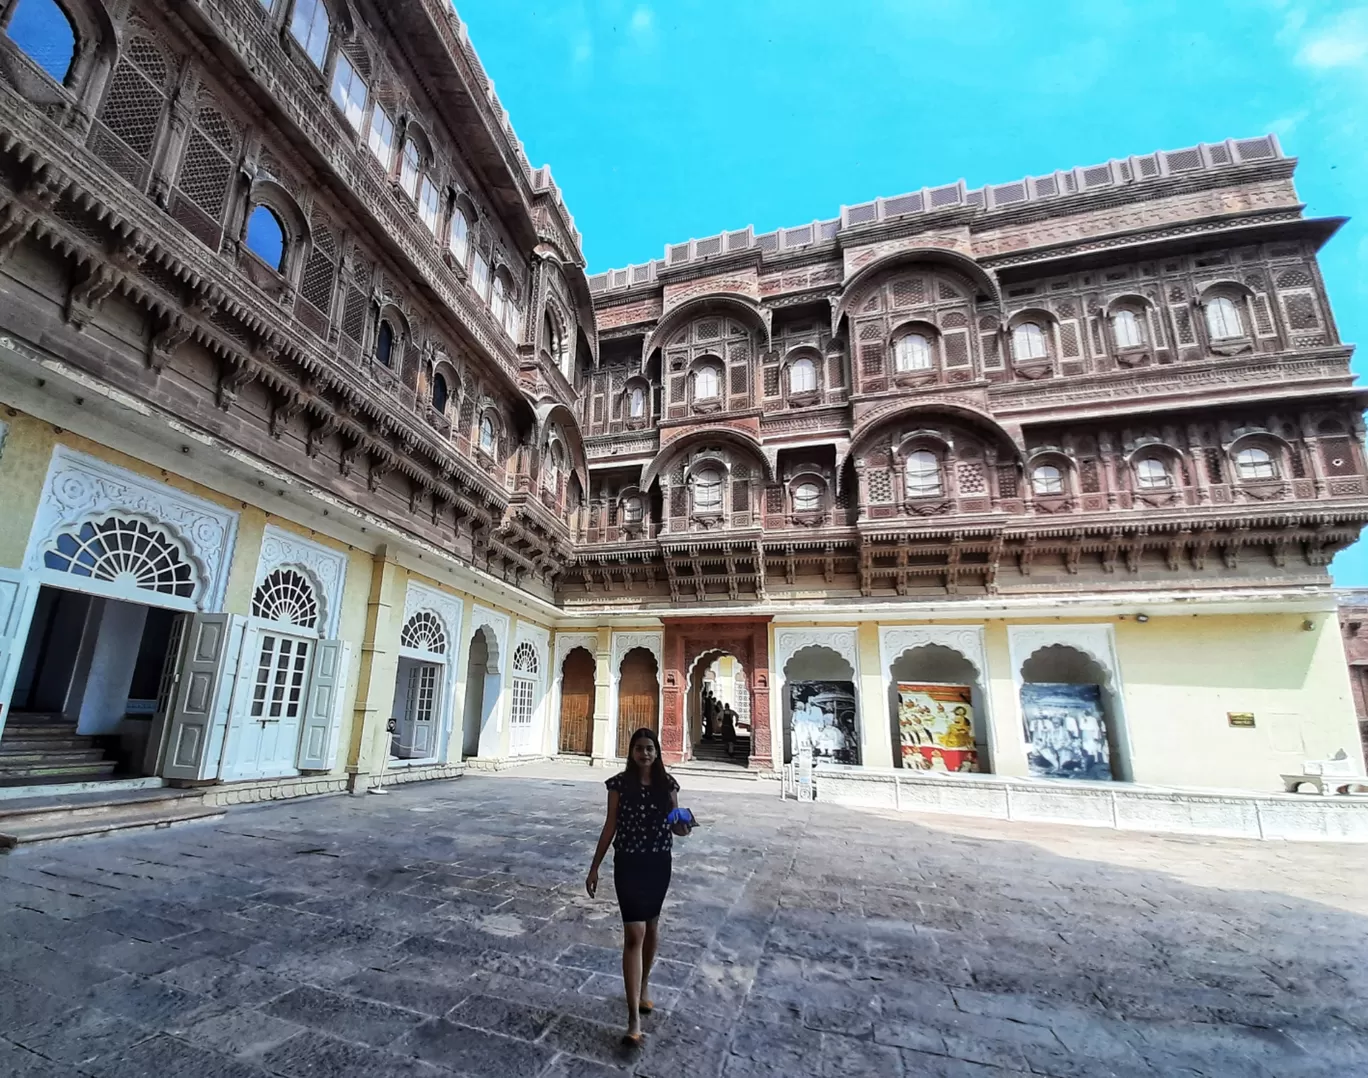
(79, 488)
(840, 640)
(448, 610)
(563, 645)
(788, 642)
(540, 641)
(654, 642)
(896, 641)
(1097, 642)
(325, 568)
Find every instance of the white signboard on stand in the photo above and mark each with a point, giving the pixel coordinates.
(805, 791)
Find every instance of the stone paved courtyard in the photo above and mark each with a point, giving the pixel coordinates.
(443, 928)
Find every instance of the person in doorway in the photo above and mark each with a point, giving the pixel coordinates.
(728, 727)
(640, 800)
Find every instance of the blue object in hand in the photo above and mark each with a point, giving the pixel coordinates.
(681, 815)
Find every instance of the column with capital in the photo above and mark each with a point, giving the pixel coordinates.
(762, 752)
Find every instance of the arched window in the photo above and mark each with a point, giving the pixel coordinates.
(122, 551)
(807, 497)
(286, 596)
(1152, 473)
(707, 383)
(498, 300)
(266, 237)
(428, 204)
(1128, 329)
(707, 491)
(554, 462)
(923, 473)
(525, 659)
(1255, 463)
(380, 138)
(411, 168)
(384, 344)
(487, 434)
(459, 240)
(424, 632)
(1223, 318)
(1047, 479)
(636, 403)
(45, 34)
(1028, 342)
(349, 92)
(310, 28)
(632, 511)
(439, 393)
(802, 376)
(912, 352)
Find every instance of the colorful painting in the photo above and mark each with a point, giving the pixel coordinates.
(936, 727)
(823, 717)
(1066, 734)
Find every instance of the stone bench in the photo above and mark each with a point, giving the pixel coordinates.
(1333, 776)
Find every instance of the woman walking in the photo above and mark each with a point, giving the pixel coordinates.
(640, 802)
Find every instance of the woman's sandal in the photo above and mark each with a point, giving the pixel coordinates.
(645, 1007)
(633, 1040)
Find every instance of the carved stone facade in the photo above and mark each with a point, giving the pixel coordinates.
(270, 275)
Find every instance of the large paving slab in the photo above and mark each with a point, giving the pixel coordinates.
(442, 929)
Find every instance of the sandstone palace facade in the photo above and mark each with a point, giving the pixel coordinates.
(325, 463)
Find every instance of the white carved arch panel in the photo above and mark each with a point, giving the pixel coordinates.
(1095, 641)
(843, 641)
(625, 642)
(967, 640)
(82, 490)
(325, 568)
(447, 609)
(539, 640)
(568, 642)
(496, 637)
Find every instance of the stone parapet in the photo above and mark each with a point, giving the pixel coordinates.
(1121, 806)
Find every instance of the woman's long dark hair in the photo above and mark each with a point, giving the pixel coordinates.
(660, 778)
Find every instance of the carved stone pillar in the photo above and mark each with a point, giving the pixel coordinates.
(672, 689)
(762, 753)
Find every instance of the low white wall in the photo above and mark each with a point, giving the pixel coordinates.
(1302, 817)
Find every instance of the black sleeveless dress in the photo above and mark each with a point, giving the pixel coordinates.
(641, 849)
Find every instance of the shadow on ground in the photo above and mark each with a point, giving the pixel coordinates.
(443, 928)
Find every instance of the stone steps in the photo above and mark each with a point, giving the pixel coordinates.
(37, 749)
(25, 821)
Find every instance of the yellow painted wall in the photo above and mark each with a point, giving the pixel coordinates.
(1183, 674)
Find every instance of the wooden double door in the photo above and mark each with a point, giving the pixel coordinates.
(577, 703)
(638, 698)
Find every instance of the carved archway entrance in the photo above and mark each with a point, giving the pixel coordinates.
(689, 640)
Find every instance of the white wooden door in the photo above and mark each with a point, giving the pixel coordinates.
(520, 737)
(269, 713)
(18, 594)
(419, 735)
(318, 743)
(202, 694)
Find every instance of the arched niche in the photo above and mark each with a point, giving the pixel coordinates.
(809, 677)
(1060, 664)
(483, 686)
(940, 667)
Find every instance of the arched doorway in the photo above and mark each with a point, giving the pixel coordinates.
(482, 693)
(419, 691)
(717, 680)
(1073, 722)
(938, 720)
(638, 697)
(577, 703)
(820, 706)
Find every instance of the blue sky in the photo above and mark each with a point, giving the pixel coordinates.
(673, 119)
